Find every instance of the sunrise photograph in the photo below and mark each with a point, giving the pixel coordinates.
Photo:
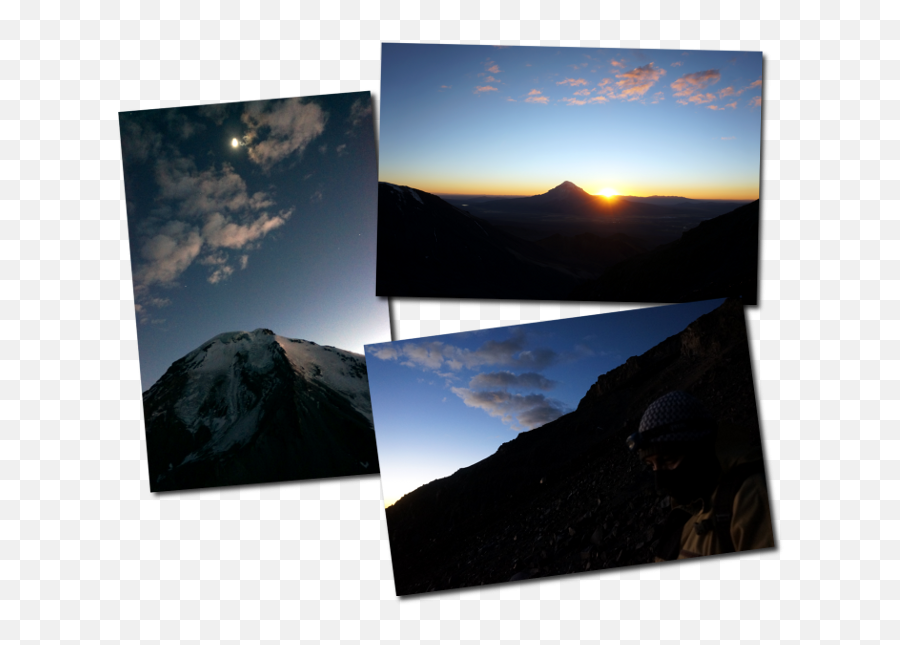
(569, 446)
(252, 235)
(561, 173)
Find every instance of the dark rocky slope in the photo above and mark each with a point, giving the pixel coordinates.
(718, 258)
(568, 496)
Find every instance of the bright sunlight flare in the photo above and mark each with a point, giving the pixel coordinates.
(608, 192)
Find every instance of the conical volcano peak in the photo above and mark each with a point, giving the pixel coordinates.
(566, 189)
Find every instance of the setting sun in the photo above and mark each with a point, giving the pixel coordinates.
(608, 192)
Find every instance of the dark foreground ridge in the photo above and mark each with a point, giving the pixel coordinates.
(253, 407)
(565, 245)
(568, 496)
(718, 258)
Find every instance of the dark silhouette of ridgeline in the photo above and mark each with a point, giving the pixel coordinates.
(569, 496)
(718, 258)
(564, 245)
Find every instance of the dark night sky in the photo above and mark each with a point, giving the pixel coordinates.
(277, 231)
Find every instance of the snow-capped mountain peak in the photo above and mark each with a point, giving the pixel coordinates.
(242, 390)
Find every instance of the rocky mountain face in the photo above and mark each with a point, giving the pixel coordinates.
(429, 248)
(569, 496)
(717, 258)
(252, 407)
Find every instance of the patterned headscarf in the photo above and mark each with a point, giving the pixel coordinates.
(673, 422)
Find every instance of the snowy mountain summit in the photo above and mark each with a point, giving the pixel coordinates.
(251, 407)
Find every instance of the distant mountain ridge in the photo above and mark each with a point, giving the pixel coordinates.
(252, 407)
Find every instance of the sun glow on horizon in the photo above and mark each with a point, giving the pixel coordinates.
(608, 192)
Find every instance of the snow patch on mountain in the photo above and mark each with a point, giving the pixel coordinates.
(342, 371)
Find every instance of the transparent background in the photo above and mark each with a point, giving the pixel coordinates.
(89, 554)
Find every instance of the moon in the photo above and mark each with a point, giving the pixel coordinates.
(235, 143)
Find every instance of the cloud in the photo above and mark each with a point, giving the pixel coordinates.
(491, 79)
(573, 101)
(208, 191)
(574, 82)
(219, 232)
(756, 101)
(695, 82)
(677, 63)
(597, 99)
(359, 111)
(659, 96)
(484, 88)
(714, 107)
(506, 380)
(165, 255)
(728, 91)
(727, 138)
(700, 99)
(617, 63)
(316, 197)
(635, 83)
(445, 87)
(275, 133)
(433, 355)
(520, 411)
(493, 69)
(534, 96)
(584, 92)
(215, 113)
(733, 106)
(341, 150)
(140, 142)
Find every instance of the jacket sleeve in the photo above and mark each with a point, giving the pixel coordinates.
(751, 524)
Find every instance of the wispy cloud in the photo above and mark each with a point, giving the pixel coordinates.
(359, 111)
(701, 99)
(677, 63)
(756, 101)
(635, 83)
(573, 101)
(506, 380)
(484, 88)
(617, 63)
(584, 92)
(534, 96)
(574, 82)
(520, 411)
(695, 82)
(733, 106)
(275, 132)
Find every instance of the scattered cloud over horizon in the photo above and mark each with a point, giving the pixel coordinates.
(690, 84)
(635, 83)
(574, 82)
(519, 411)
(526, 380)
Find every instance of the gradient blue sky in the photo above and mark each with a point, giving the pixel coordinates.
(445, 402)
(277, 232)
(480, 119)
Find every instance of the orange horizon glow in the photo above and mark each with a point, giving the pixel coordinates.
(736, 192)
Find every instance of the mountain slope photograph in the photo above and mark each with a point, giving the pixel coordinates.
(536, 172)
(532, 451)
(252, 233)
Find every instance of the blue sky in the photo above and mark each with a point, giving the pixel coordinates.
(253, 214)
(445, 402)
(475, 119)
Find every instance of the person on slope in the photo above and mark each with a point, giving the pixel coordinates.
(720, 503)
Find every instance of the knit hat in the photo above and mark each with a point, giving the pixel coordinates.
(674, 423)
